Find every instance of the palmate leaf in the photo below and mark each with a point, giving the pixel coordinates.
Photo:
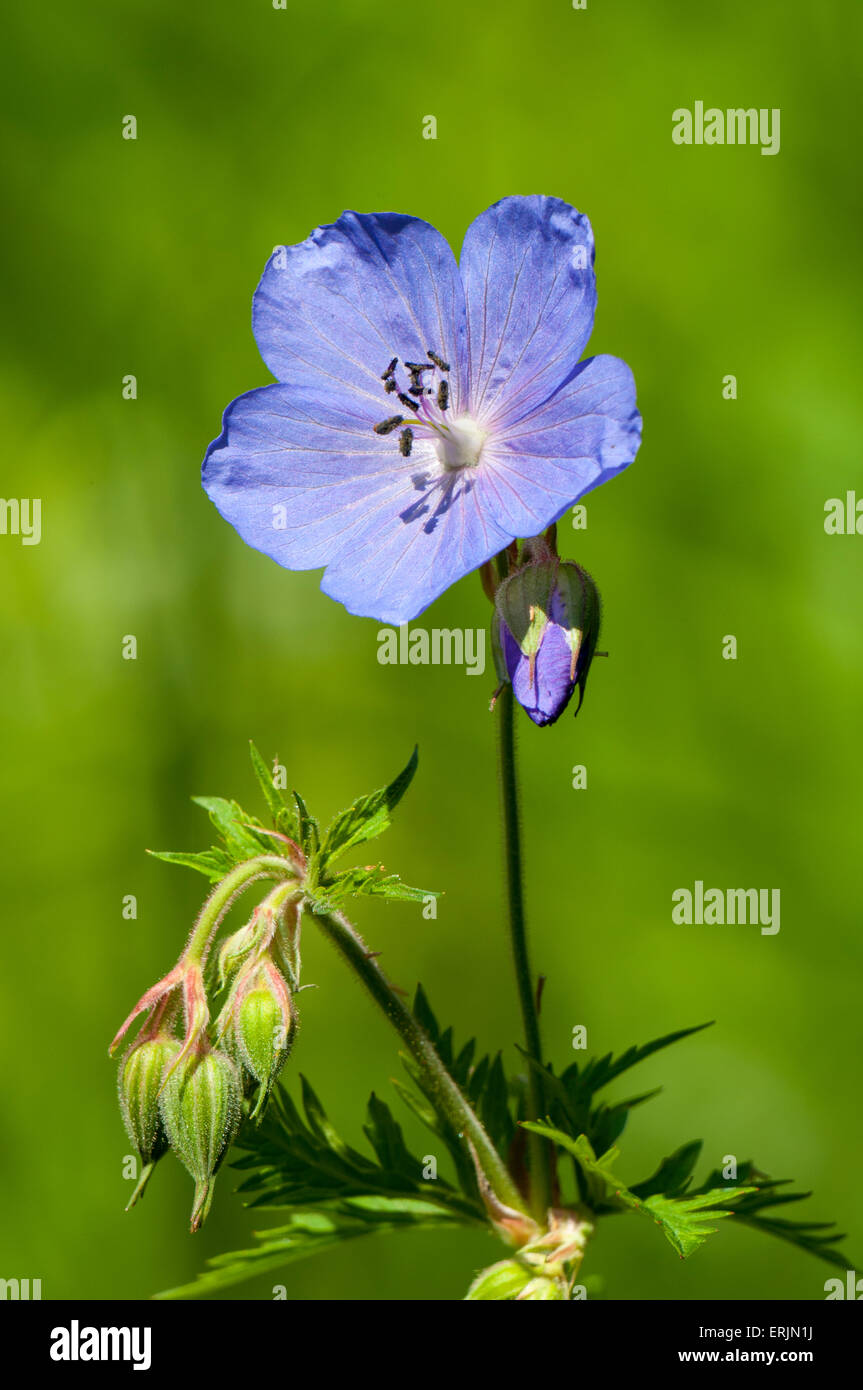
(309, 1230)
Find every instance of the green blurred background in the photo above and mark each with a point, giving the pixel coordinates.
(254, 126)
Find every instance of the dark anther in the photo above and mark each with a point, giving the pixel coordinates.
(438, 361)
(406, 443)
(390, 369)
(443, 395)
(390, 385)
(407, 402)
(387, 426)
(418, 367)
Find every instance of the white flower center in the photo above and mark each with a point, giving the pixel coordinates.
(458, 443)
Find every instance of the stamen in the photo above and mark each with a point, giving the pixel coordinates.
(406, 442)
(408, 403)
(418, 366)
(387, 426)
(390, 369)
(438, 361)
(443, 395)
(390, 385)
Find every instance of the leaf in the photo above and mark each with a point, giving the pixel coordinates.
(213, 863)
(815, 1237)
(673, 1174)
(284, 818)
(308, 1231)
(307, 828)
(599, 1071)
(371, 881)
(683, 1219)
(369, 816)
(236, 828)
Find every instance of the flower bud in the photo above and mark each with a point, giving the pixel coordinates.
(264, 1027)
(234, 951)
(200, 1109)
(548, 615)
(142, 1073)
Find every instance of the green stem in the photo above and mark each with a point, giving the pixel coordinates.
(442, 1090)
(538, 1149)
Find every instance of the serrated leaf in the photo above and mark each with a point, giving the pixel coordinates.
(235, 826)
(683, 1219)
(370, 881)
(369, 816)
(212, 863)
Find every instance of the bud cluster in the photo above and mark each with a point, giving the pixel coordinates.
(189, 1089)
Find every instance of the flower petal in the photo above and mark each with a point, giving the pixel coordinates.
(527, 267)
(543, 688)
(585, 434)
(356, 293)
(304, 478)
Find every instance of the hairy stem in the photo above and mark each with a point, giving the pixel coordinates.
(264, 866)
(442, 1089)
(538, 1150)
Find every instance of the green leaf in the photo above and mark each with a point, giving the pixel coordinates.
(683, 1219)
(310, 1230)
(673, 1174)
(307, 828)
(212, 863)
(817, 1238)
(369, 816)
(236, 828)
(370, 881)
(284, 818)
(599, 1071)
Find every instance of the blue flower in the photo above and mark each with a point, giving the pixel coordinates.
(427, 413)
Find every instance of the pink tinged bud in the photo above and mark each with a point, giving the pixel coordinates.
(141, 1076)
(158, 994)
(264, 1027)
(200, 1108)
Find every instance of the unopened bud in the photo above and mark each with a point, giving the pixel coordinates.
(264, 1026)
(200, 1109)
(142, 1073)
(548, 615)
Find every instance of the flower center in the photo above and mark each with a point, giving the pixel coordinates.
(425, 400)
(459, 443)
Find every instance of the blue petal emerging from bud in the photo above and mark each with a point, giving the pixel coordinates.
(548, 614)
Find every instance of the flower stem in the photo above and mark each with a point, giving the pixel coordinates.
(264, 866)
(538, 1149)
(442, 1089)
